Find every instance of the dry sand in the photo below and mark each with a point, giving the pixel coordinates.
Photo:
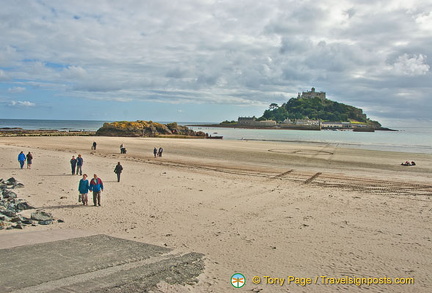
(256, 208)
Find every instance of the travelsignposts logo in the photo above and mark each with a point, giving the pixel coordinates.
(238, 280)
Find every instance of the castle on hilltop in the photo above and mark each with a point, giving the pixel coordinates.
(312, 94)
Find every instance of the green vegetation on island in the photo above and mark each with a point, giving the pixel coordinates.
(310, 110)
(316, 109)
(146, 128)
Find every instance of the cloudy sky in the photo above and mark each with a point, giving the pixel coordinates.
(206, 60)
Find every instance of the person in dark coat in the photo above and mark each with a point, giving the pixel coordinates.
(29, 160)
(118, 170)
(80, 162)
(73, 162)
(155, 152)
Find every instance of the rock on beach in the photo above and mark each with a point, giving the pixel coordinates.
(11, 206)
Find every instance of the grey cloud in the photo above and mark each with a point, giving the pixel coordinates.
(410, 65)
(3, 75)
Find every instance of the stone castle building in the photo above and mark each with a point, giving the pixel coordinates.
(312, 94)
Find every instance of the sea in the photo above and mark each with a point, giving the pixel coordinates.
(405, 139)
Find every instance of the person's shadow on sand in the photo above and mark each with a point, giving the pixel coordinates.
(64, 174)
(73, 206)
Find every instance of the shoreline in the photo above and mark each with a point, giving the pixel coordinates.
(11, 132)
(309, 128)
(48, 133)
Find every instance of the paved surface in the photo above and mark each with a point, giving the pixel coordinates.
(14, 238)
(95, 263)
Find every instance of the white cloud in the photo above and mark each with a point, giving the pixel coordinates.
(16, 89)
(75, 72)
(424, 20)
(21, 104)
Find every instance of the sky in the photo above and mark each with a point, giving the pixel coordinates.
(210, 61)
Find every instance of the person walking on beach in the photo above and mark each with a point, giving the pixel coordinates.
(80, 162)
(21, 159)
(96, 186)
(83, 188)
(118, 169)
(94, 145)
(160, 152)
(122, 149)
(73, 163)
(29, 160)
(155, 152)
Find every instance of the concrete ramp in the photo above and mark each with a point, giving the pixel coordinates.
(96, 263)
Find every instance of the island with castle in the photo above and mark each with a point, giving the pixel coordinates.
(311, 110)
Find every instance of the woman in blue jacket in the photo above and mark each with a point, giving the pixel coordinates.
(83, 189)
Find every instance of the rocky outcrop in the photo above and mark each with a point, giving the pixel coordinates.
(11, 207)
(145, 128)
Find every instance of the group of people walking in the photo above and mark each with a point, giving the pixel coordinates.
(22, 158)
(95, 185)
(157, 152)
(76, 164)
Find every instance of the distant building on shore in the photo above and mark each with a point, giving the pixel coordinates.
(309, 124)
(335, 125)
(252, 122)
(312, 94)
(343, 125)
(304, 122)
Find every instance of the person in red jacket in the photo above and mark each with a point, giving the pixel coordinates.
(96, 185)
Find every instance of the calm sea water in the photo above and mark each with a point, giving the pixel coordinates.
(413, 139)
(63, 125)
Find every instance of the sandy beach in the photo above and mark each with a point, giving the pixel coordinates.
(261, 209)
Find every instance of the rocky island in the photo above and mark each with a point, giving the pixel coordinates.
(311, 110)
(147, 129)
